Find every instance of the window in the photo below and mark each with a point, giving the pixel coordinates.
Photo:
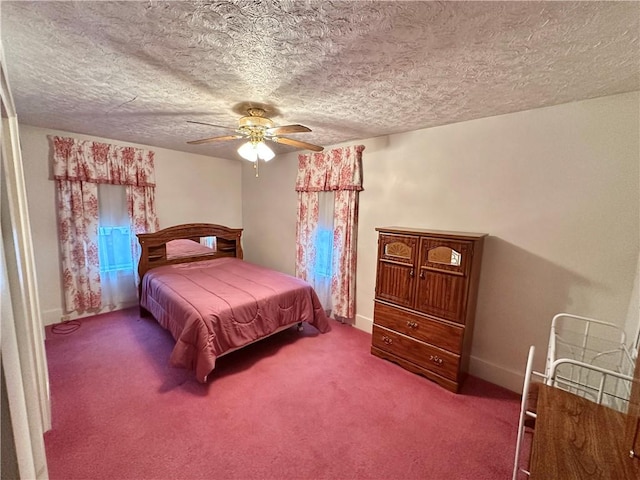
(323, 246)
(324, 252)
(114, 248)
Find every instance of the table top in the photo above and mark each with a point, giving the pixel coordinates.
(575, 438)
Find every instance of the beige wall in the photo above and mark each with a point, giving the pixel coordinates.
(269, 205)
(189, 188)
(557, 189)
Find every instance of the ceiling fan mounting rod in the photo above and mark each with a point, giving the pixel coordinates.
(255, 112)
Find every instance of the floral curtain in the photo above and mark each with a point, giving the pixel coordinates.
(305, 233)
(78, 232)
(141, 204)
(338, 170)
(86, 161)
(343, 285)
(78, 166)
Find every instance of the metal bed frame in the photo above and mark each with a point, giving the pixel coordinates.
(587, 357)
(590, 358)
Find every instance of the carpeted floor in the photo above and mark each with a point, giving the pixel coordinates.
(294, 406)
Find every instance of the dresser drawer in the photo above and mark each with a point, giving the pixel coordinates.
(439, 334)
(434, 359)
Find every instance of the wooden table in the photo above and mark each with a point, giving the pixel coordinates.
(578, 439)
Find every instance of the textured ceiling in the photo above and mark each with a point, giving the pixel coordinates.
(137, 71)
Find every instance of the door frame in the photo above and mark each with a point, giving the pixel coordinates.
(22, 343)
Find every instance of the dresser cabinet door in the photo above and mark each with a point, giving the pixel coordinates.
(443, 278)
(397, 259)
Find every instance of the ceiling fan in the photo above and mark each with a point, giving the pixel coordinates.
(256, 128)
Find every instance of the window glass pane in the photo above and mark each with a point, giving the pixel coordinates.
(114, 232)
(322, 268)
(114, 248)
(324, 250)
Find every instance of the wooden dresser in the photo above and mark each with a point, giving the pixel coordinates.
(426, 290)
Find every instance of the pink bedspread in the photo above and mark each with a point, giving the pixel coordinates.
(213, 306)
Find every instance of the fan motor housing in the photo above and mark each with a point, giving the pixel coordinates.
(252, 121)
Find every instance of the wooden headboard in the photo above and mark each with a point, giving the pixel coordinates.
(154, 245)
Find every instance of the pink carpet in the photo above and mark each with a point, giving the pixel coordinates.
(294, 406)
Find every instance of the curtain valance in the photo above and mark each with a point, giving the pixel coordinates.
(95, 162)
(338, 169)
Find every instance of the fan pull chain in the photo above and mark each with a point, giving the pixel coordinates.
(255, 166)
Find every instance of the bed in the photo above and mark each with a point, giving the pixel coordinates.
(196, 285)
(591, 358)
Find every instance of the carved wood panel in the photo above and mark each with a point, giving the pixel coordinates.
(442, 295)
(398, 248)
(397, 257)
(459, 254)
(395, 283)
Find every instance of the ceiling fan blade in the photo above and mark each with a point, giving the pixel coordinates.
(285, 129)
(297, 143)
(210, 125)
(215, 139)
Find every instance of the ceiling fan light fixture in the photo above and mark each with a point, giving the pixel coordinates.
(248, 152)
(255, 127)
(264, 152)
(253, 151)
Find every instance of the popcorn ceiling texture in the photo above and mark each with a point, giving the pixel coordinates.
(137, 71)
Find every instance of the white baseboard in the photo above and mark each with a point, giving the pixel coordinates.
(504, 377)
(51, 317)
(364, 323)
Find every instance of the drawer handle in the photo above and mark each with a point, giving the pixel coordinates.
(436, 359)
(412, 273)
(411, 324)
(387, 340)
